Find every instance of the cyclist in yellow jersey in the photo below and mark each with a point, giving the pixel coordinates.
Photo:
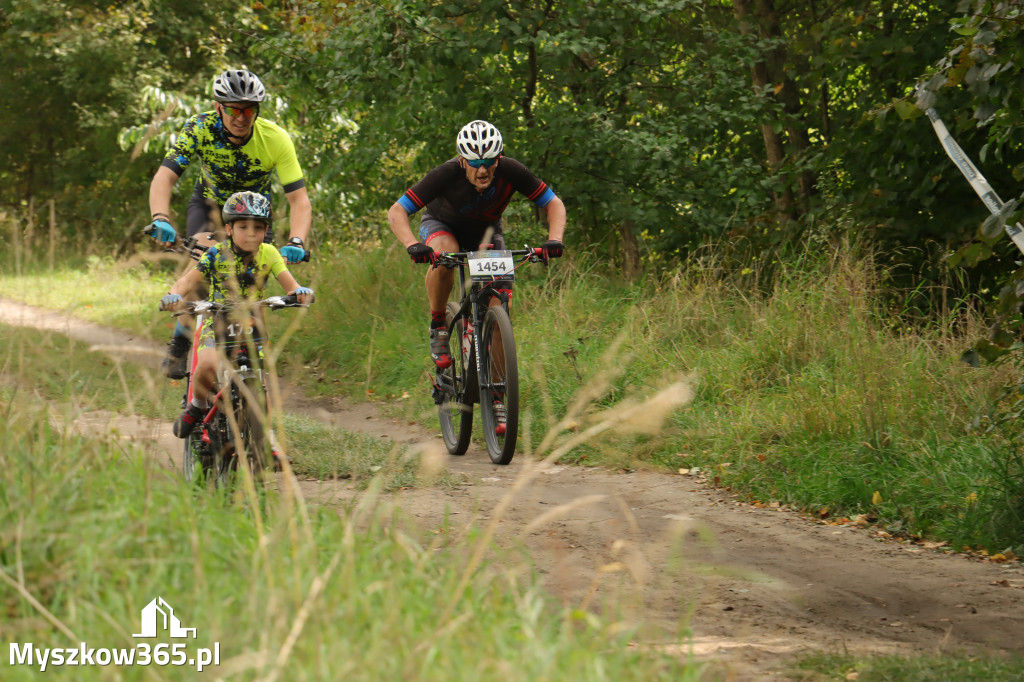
(238, 151)
(239, 267)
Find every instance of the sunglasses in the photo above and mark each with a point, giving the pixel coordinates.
(248, 112)
(482, 163)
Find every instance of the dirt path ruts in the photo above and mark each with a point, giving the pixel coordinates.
(755, 585)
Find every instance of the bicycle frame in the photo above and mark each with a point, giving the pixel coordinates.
(229, 367)
(474, 301)
(217, 431)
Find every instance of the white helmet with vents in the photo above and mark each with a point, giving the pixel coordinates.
(478, 140)
(238, 86)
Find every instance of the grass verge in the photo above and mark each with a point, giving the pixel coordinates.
(92, 532)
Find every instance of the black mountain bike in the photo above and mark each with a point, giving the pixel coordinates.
(484, 368)
(236, 425)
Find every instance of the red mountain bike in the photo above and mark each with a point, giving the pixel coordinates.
(236, 426)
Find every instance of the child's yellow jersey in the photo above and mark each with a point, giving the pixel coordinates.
(230, 279)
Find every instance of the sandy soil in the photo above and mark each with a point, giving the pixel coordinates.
(756, 586)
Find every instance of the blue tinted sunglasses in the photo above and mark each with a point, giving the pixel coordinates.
(486, 163)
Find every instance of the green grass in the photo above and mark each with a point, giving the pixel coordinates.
(330, 454)
(808, 392)
(90, 532)
(903, 669)
(123, 294)
(52, 366)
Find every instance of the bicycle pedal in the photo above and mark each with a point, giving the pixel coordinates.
(438, 395)
(205, 437)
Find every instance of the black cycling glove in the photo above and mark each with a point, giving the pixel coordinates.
(421, 253)
(553, 248)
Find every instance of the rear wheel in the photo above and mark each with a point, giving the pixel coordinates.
(456, 411)
(499, 386)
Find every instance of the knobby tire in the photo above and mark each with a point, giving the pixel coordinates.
(456, 412)
(500, 379)
(244, 418)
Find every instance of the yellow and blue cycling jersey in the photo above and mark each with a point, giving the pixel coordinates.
(230, 278)
(228, 168)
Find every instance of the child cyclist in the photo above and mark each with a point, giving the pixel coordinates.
(238, 267)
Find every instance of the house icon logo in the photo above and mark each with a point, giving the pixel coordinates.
(159, 612)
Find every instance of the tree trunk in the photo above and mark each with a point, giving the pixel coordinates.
(630, 251)
(758, 17)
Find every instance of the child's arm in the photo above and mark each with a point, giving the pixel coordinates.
(288, 283)
(187, 282)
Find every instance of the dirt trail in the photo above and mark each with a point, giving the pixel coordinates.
(757, 586)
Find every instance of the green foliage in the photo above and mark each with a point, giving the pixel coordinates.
(664, 121)
(982, 74)
(73, 78)
(642, 117)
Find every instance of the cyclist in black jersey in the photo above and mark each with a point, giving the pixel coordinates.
(463, 198)
(238, 152)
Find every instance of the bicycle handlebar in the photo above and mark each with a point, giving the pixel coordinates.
(191, 245)
(452, 259)
(215, 307)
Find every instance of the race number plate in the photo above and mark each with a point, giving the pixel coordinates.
(487, 265)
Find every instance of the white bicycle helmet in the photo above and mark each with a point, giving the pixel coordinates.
(479, 140)
(238, 86)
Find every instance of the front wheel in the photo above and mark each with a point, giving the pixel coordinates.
(252, 422)
(246, 430)
(197, 460)
(499, 385)
(456, 411)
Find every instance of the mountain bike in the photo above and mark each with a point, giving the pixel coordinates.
(236, 424)
(484, 369)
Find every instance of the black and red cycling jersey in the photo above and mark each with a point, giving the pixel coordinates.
(453, 200)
